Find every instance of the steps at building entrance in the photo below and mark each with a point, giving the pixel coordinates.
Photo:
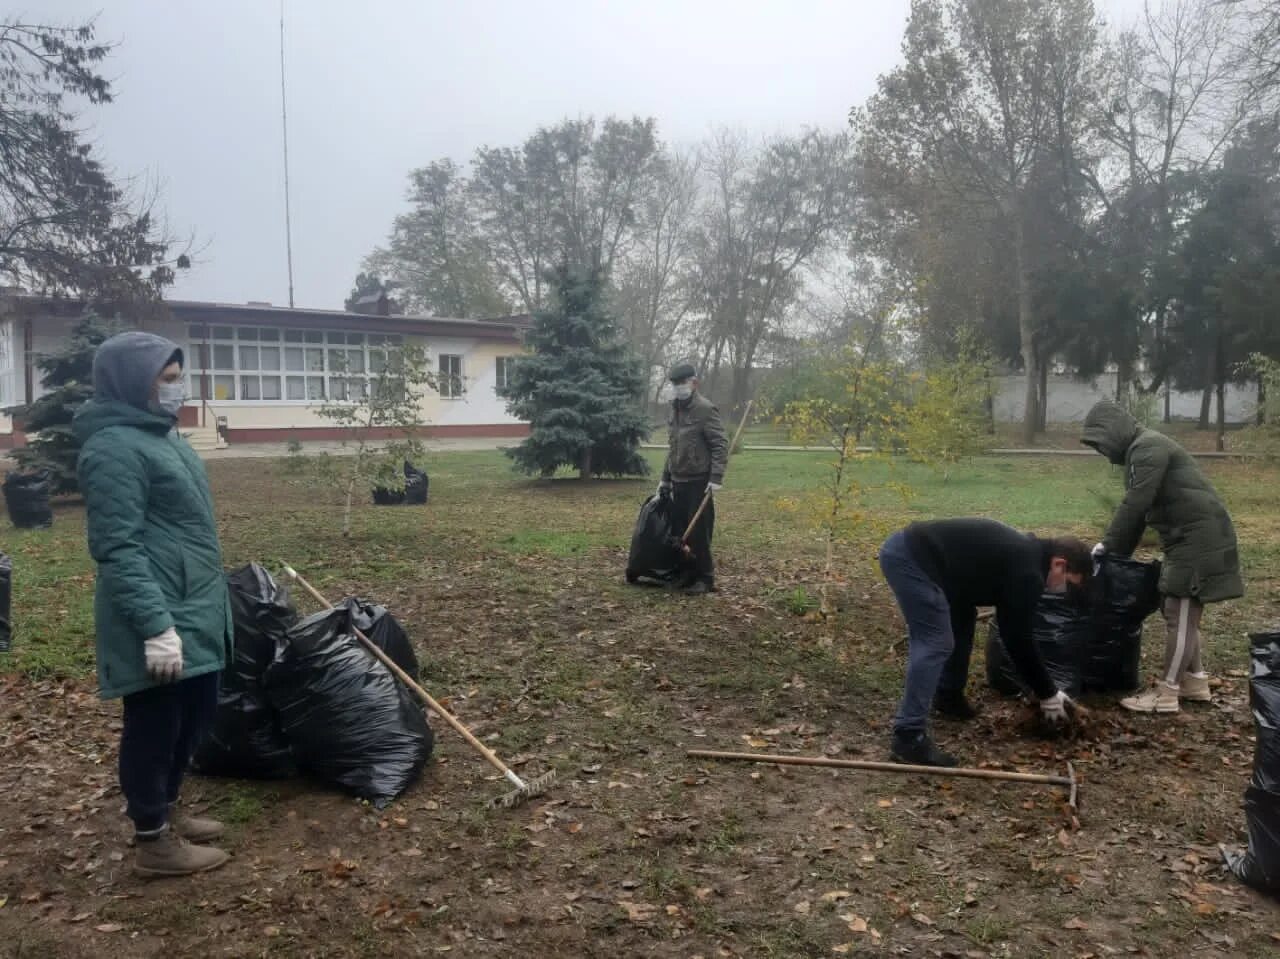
(203, 439)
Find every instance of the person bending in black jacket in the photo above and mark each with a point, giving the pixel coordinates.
(940, 573)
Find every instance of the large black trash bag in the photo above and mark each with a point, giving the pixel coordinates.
(1260, 865)
(1264, 698)
(351, 722)
(416, 487)
(1124, 593)
(385, 632)
(246, 739)
(6, 599)
(655, 550)
(26, 496)
(1061, 633)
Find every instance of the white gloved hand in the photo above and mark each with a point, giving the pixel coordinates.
(1054, 709)
(663, 489)
(164, 656)
(1097, 552)
(714, 488)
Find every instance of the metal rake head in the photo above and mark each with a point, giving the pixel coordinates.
(528, 789)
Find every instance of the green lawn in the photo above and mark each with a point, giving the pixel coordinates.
(513, 593)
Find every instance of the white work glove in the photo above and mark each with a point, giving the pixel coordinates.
(714, 488)
(1054, 709)
(1097, 553)
(164, 656)
(664, 489)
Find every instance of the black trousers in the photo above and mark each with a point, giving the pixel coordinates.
(687, 498)
(163, 726)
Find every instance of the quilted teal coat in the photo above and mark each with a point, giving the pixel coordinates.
(150, 523)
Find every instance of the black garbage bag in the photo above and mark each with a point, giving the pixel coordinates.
(655, 543)
(351, 722)
(385, 632)
(416, 485)
(246, 739)
(1061, 633)
(1264, 699)
(6, 598)
(1259, 865)
(1124, 593)
(26, 496)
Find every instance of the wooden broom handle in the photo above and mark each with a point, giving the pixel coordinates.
(886, 767)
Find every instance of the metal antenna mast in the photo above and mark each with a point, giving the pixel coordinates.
(284, 125)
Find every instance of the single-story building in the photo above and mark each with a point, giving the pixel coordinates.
(259, 373)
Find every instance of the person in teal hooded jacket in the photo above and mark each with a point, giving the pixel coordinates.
(161, 609)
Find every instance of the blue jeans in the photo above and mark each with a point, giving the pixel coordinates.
(163, 725)
(939, 638)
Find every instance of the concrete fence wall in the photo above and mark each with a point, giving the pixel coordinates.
(1070, 399)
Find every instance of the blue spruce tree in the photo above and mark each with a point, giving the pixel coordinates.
(579, 389)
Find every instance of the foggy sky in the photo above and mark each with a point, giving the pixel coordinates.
(378, 87)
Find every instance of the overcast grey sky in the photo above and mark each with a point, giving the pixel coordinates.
(378, 87)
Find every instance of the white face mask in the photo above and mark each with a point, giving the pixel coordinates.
(683, 390)
(169, 398)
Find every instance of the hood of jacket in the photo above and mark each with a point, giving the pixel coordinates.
(1110, 430)
(124, 369)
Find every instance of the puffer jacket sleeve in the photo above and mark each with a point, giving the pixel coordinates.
(115, 486)
(717, 444)
(1146, 469)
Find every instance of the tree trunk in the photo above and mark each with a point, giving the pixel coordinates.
(1042, 415)
(1124, 376)
(1206, 398)
(1026, 334)
(1168, 404)
(1222, 415)
(1262, 400)
(584, 464)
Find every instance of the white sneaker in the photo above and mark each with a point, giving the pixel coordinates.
(1195, 689)
(1162, 698)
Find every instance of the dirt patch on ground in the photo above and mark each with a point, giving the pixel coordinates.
(639, 851)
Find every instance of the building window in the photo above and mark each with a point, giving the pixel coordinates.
(502, 372)
(255, 365)
(451, 376)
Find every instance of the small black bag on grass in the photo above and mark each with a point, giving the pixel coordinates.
(655, 552)
(6, 597)
(416, 487)
(384, 631)
(351, 722)
(1061, 633)
(1124, 593)
(246, 739)
(26, 497)
(1259, 867)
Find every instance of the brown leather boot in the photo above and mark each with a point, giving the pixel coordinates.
(171, 855)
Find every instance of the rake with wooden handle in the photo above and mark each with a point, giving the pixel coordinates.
(525, 789)
(1069, 781)
(706, 497)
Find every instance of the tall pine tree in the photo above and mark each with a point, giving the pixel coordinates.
(580, 387)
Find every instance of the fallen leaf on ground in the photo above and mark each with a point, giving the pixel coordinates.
(755, 742)
(843, 949)
(857, 924)
(1075, 922)
(109, 927)
(802, 907)
(638, 911)
(835, 895)
(921, 918)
